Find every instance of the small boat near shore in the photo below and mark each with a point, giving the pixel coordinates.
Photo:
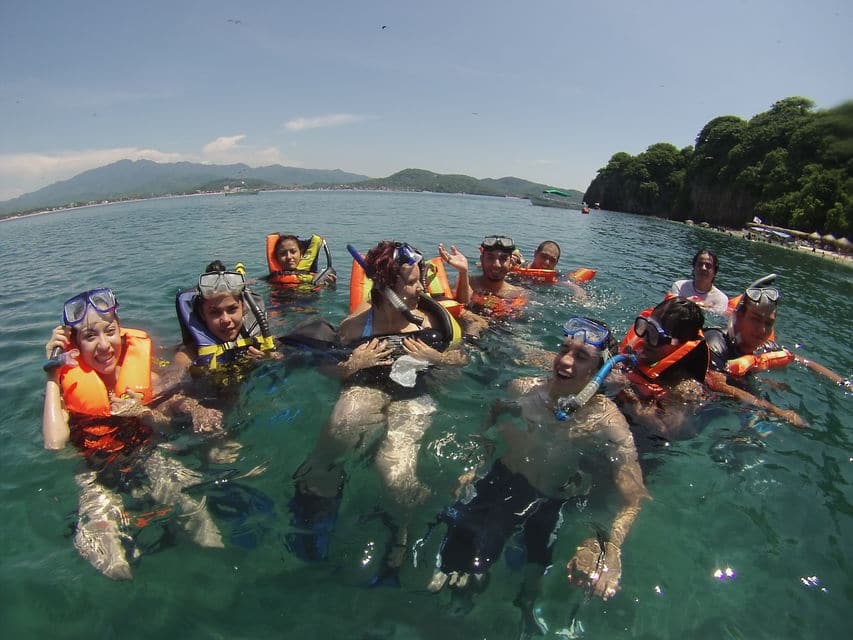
(239, 190)
(553, 198)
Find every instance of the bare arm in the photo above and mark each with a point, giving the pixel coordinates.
(597, 563)
(824, 371)
(458, 261)
(717, 382)
(54, 422)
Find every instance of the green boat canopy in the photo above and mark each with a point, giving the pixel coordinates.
(558, 192)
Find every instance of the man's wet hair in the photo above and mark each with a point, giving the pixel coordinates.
(711, 255)
(545, 243)
(681, 318)
(217, 266)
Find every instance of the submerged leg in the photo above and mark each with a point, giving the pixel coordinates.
(167, 478)
(396, 461)
(99, 537)
(357, 418)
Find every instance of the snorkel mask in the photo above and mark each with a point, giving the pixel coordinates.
(498, 243)
(216, 282)
(101, 300)
(761, 295)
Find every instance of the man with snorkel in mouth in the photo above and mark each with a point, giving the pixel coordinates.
(550, 459)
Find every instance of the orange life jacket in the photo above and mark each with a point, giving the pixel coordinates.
(550, 275)
(644, 377)
(582, 275)
(497, 307)
(739, 367)
(306, 268)
(537, 275)
(85, 394)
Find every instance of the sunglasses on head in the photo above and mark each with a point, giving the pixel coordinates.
(756, 294)
(404, 253)
(651, 331)
(590, 332)
(221, 282)
(504, 243)
(101, 300)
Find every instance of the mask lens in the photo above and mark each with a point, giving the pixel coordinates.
(103, 300)
(406, 254)
(498, 242)
(756, 294)
(220, 282)
(74, 310)
(591, 333)
(651, 331)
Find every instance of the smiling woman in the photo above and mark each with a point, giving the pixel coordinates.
(98, 391)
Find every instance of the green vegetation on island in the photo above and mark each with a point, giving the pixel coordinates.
(792, 166)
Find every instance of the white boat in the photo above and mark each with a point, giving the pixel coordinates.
(239, 190)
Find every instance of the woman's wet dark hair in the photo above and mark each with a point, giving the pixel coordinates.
(681, 318)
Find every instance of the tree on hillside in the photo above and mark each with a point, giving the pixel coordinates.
(791, 165)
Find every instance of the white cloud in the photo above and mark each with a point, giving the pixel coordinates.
(223, 144)
(318, 122)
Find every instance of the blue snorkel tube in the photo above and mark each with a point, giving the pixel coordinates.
(569, 404)
(393, 298)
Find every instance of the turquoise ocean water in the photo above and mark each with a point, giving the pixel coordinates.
(777, 511)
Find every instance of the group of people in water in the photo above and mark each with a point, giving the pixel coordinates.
(563, 433)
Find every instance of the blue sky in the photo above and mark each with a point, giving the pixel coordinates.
(544, 90)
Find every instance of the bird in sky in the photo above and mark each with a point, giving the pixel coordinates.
(234, 21)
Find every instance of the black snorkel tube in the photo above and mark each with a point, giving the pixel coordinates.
(392, 297)
(323, 277)
(571, 403)
(260, 314)
(56, 360)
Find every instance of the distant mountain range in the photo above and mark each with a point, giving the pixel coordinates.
(130, 179)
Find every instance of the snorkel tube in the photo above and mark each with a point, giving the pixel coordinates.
(323, 277)
(392, 297)
(763, 282)
(571, 403)
(260, 315)
(56, 360)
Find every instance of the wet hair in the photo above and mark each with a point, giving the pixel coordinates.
(711, 255)
(545, 243)
(680, 317)
(380, 262)
(281, 240)
(217, 266)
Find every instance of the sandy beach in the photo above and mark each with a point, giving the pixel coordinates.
(796, 245)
